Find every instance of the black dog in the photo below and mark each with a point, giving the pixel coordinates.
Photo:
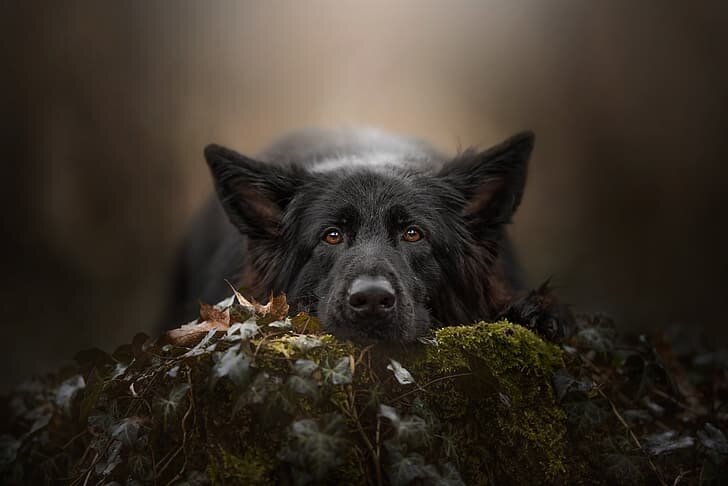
(380, 236)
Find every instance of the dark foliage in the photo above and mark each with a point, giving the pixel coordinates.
(261, 401)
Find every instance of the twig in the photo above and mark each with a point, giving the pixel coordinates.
(74, 438)
(677, 402)
(679, 477)
(169, 460)
(351, 412)
(91, 468)
(431, 382)
(633, 436)
(377, 440)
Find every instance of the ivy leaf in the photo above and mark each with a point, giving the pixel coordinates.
(262, 386)
(637, 416)
(450, 476)
(226, 302)
(170, 404)
(404, 469)
(242, 331)
(284, 324)
(666, 442)
(715, 443)
(140, 465)
(127, 430)
(304, 367)
(9, 446)
(67, 390)
(119, 370)
(101, 423)
(403, 376)
(595, 338)
(389, 413)
(41, 422)
(410, 430)
(622, 468)
(111, 459)
(313, 448)
(231, 364)
(585, 414)
(564, 383)
(341, 373)
(303, 386)
(173, 372)
(91, 396)
(305, 343)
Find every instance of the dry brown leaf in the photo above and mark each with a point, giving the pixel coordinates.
(190, 334)
(276, 308)
(244, 303)
(211, 313)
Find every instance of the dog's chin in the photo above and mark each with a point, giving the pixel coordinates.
(404, 330)
(362, 333)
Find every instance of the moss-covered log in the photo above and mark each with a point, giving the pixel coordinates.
(267, 401)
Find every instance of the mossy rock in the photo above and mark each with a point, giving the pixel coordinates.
(266, 405)
(480, 410)
(248, 396)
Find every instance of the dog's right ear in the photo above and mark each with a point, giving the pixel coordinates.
(254, 194)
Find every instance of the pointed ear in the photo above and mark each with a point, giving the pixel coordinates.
(254, 194)
(491, 182)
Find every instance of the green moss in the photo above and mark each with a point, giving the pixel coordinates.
(484, 393)
(481, 410)
(251, 468)
(501, 396)
(504, 347)
(276, 354)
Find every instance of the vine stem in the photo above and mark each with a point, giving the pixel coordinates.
(633, 436)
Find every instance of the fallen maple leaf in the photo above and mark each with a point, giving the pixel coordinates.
(214, 317)
(211, 317)
(242, 301)
(190, 334)
(212, 313)
(276, 308)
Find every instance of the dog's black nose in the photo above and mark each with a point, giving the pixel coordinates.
(371, 296)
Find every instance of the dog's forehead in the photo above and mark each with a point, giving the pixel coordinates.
(370, 192)
(379, 162)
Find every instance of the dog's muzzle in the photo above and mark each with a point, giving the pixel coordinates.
(371, 297)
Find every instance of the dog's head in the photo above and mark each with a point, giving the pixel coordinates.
(379, 251)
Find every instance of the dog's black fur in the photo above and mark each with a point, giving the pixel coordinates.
(380, 236)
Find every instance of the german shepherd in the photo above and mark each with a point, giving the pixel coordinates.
(380, 236)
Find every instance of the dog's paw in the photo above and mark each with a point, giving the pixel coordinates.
(540, 311)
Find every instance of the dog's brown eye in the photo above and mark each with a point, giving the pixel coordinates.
(333, 237)
(412, 234)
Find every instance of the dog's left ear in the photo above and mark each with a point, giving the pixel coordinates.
(253, 193)
(491, 181)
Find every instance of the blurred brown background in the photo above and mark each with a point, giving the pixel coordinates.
(106, 107)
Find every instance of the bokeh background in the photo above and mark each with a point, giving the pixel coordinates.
(106, 106)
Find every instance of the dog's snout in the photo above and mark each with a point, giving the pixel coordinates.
(371, 296)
